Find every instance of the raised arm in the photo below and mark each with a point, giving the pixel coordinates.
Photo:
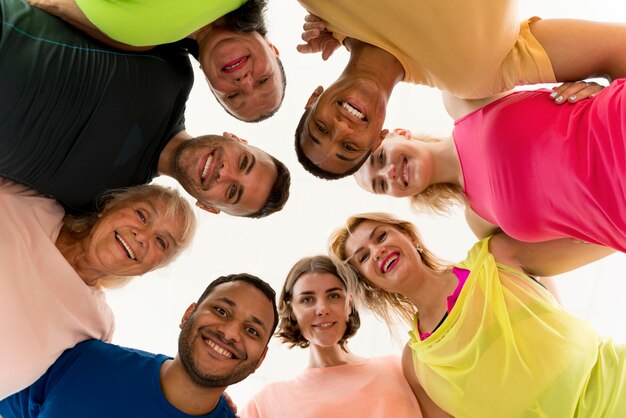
(547, 258)
(428, 407)
(581, 49)
(317, 38)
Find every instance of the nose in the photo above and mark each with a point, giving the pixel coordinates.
(230, 331)
(246, 82)
(321, 308)
(224, 173)
(141, 236)
(340, 130)
(379, 253)
(390, 172)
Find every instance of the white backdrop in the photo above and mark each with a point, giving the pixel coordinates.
(149, 309)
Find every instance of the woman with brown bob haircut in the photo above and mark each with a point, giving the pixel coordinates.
(317, 312)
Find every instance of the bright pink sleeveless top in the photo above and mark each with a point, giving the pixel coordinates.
(542, 171)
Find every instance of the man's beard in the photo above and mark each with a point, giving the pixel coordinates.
(246, 366)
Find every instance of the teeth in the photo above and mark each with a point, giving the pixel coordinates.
(130, 252)
(324, 325)
(405, 173)
(388, 263)
(235, 65)
(206, 166)
(219, 350)
(353, 111)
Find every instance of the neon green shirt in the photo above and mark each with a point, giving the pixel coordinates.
(508, 349)
(154, 22)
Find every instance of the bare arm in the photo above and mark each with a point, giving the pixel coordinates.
(581, 49)
(480, 227)
(547, 258)
(457, 108)
(428, 407)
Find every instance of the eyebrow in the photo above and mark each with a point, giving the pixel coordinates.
(311, 292)
(369, 239)
(241, 187)
(344, 158)
(233, 305)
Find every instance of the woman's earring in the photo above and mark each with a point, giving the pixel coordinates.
(419, 249)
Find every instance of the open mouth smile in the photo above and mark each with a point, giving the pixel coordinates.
(208, 169)
(219, 349)
(234, 65)
(324, 325)
(129, 251)
(390, 262)
(405, 172)
(353, 110)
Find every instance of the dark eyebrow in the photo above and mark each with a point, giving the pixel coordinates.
(334, 289)
(228, 301)
(257, 321)
(252, 162)
(239, 193)
(369, 238)
(314, 139)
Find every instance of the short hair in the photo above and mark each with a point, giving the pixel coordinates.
(383, 304)
(254, 281)
(310, 166)
(288, 330)
(177, 206)
(249, 17)
(264, 115)
(279, 193)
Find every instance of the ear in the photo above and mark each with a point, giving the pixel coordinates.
(258, 364)
(207, 208)
(380, 138)
(234, 137)
(316, 94)
(272, 46)
(187, 314)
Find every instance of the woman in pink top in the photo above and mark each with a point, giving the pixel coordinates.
(317, 312)
(535, 170)
(52, 268)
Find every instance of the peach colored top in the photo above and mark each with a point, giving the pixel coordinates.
(471, 49)
(372, 389)
(45, 307)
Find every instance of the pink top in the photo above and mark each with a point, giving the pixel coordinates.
(542, 171)
(374, 388)
(45, 307)
(462, 275)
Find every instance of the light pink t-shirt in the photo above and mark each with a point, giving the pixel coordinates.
(373, 389)
(45, 307)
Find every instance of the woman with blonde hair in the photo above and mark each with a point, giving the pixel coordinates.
(53, 268)
(535, 170)
(488, 340)
(317, 312)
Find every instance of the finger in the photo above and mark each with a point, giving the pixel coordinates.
(327, 52)
(312, 18)
(590, 90)
(304, 48)
(315, 25)
(308, 35)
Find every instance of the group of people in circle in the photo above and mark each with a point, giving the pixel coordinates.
(92, 109)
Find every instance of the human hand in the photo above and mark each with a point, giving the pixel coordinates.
(573, 92)
(317, 38)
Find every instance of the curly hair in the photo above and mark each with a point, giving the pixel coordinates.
(385, 305)
(288, 329)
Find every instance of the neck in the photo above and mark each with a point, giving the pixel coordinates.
(74, 250)
(446, 163)
(331, 356)
(184, 394)
(370, 62)
(166, 158)
(201, 33)
(430, 296)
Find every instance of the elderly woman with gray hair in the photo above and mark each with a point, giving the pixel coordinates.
(53, 268)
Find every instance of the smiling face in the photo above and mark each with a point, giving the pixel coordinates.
(134, 238)
(384, 255)
(243, 72)
(344, 124)
(224, 174)
(225, 338)
(321, 308)
(399, 167)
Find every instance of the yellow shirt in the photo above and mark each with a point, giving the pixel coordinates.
(507, 349)
(471, 49)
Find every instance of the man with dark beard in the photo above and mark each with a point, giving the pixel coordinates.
(223, 339)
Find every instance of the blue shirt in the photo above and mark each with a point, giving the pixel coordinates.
(99, 380)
